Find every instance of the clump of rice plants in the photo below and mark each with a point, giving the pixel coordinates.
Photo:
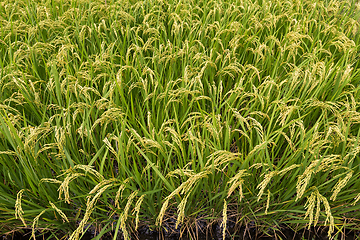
(121, 114)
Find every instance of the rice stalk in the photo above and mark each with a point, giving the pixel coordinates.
(50, 180)
(90, 206)
(64, 186)
(329, 162)
(18, 209)
(123, 216)
(101, 184)
(137, 210)
(265, 182)
(185, 187)
(61, 213)
(310, 205)
(357, 198)
(237, 182)
(224, 220)
(267, 202)
(181, 210)
(120, 191)
(221, 157)
(35, 222)
(340, 185)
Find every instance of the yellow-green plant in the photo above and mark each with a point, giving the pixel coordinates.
(120, 114)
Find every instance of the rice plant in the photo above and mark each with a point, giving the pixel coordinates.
(116, 115)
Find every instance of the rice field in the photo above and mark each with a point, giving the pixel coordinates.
(174, 114)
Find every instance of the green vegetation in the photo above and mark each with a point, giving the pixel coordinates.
(125, 113)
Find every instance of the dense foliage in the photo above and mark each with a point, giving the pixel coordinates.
(116, 114)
